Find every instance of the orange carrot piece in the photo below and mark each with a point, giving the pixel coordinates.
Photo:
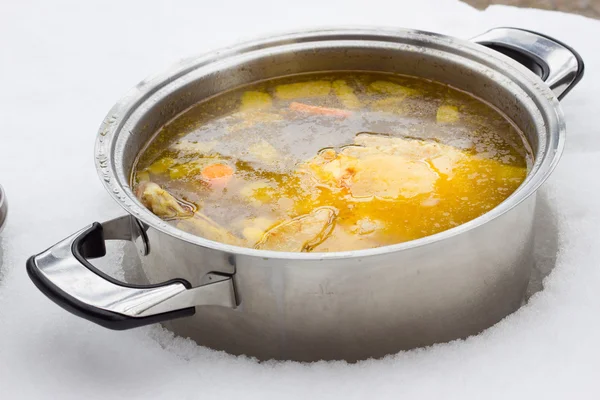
(218, 174)
(336, 112)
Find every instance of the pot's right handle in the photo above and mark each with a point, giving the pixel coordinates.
(64, 275)
(557, 64)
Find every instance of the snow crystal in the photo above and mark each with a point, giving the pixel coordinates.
(63, 65)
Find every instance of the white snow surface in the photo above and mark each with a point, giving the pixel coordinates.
(63, 64)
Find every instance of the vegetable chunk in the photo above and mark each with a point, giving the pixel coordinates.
(447, 114)
(161, 165)
(390, 88)
(253, 100)
(217, 175)
(301, 90)
(345, 94)
(335, 112)
(265, 152)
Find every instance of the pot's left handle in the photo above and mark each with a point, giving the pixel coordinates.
(64, 275)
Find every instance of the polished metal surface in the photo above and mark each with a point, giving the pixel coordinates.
(471, 67)
(3, 208)
(561, 65)
(346, 305)
(126, 228)
(65, 272)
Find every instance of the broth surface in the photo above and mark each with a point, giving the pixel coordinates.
(331, 162)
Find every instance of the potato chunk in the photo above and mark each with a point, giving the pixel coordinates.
(187, 170)
(253, 100)
(264, 152)
(142, 176)
(161, 165)
(447, 114)
(345, 94)
(390, 88)
(303, 90)
(255, 228)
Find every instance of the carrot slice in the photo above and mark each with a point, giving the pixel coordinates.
(218, 174)
(336, 112)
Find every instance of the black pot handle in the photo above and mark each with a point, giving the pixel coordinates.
(64, 275)
(554, 62)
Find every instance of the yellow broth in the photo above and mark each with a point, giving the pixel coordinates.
(331, 162)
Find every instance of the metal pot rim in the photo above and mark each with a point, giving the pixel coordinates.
(111, 127)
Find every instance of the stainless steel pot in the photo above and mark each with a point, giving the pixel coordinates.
(310, 306)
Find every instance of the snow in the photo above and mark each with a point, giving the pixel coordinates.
(63, 65)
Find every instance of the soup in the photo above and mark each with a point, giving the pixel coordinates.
(331, 162)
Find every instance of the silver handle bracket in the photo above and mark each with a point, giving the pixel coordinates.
(64, 275)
